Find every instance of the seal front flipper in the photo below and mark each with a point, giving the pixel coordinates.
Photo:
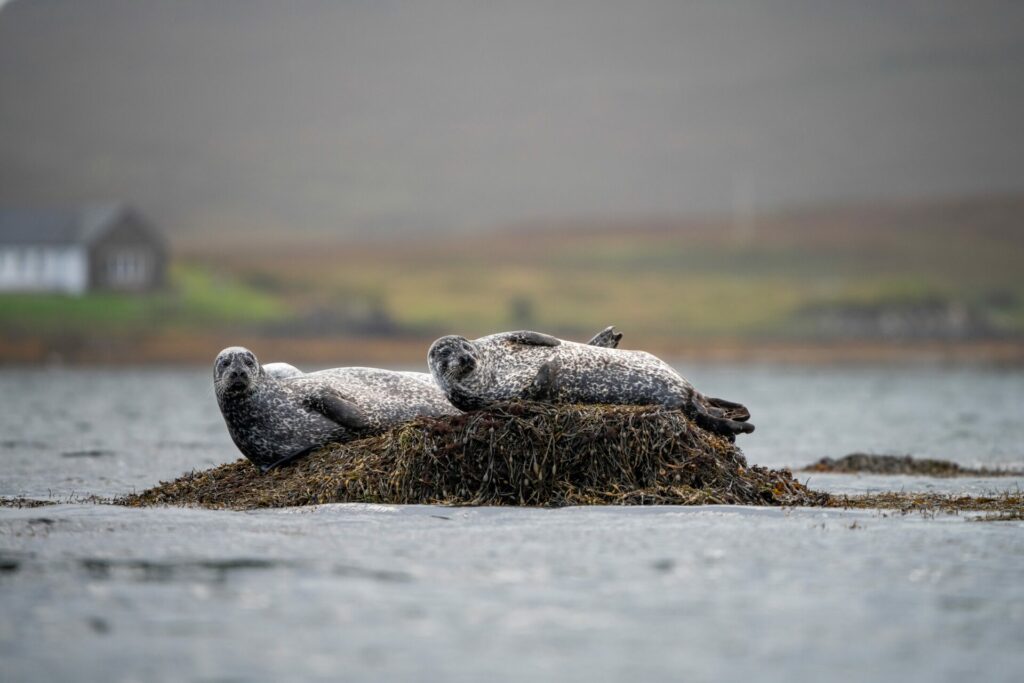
(336, 407)
(466, 401)
(529, 338)
(607, 338)
(543, 385)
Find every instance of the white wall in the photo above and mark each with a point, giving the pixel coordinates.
(43, 269)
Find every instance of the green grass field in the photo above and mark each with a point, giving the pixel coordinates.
(195, 297)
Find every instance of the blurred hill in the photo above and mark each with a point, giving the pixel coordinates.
(911, 279)
(343, 181)
(251, 116)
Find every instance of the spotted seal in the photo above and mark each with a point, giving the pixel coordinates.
(276, 413)
(274, 421)
(608, 337)
(535, 366)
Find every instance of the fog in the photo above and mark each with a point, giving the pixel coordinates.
(360, 117)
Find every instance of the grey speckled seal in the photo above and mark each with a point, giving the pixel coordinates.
(607, 337)
(535, 366)
(277, 413)
(273, 421)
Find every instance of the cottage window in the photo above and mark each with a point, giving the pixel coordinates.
(127, 267)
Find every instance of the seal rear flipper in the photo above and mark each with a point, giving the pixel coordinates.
(695, 409)
(337, 408)
(719, 407)
(529, 338)
(289, 458)
(719, 425)
(607, 338)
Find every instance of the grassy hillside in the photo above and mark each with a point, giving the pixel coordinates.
(671, 279)
(953, 271)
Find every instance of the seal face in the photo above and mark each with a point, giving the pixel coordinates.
(273, 420)
(535, 366)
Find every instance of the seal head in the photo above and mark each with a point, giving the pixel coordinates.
(452, 357)
(236, 370)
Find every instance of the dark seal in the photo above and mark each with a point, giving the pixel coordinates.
(274, 421)
(534, 366)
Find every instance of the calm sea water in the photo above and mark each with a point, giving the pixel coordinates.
(105, 432)
(360, 592)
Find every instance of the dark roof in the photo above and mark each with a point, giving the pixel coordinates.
(57, 226)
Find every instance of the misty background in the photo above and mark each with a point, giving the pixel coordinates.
(359, 117)
(346, 181)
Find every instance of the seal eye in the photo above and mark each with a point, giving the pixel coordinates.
(248, 362)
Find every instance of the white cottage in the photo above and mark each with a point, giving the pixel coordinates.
(98, 247)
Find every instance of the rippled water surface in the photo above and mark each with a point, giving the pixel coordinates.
(105, 432)
(356, 592)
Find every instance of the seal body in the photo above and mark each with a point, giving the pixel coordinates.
(534, 366)
(281, 370)
(287, 370)
(275, 420)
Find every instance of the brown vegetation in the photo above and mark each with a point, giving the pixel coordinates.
(22, 502)
(515, 454)
(867, 463)
(999, 507)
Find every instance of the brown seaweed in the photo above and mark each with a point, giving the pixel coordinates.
(513, 454)
(870, 463)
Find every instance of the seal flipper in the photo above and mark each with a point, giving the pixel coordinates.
(718, 425)
(694, 408)
(337, 408)
(289, 458)
(529, 338)
(719, 407)
(543, 385)
(464, 400)
(607, 338)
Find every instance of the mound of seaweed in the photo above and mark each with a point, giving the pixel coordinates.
(513, 454)
(869, 463)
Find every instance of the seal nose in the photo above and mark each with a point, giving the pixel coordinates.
(238, 377)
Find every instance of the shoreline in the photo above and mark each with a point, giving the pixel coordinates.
(183, 348)
(1002, 506)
